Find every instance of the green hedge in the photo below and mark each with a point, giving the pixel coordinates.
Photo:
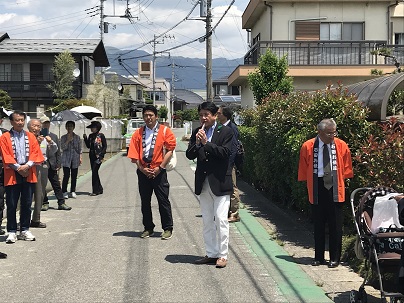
(274, 132)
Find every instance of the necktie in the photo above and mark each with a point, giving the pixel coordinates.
(327, 168)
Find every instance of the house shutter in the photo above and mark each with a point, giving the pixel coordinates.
(307, 30)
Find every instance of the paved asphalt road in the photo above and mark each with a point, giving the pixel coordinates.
(93, 253)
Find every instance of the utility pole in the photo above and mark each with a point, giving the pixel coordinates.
(102, 19)
(154, 62)
(172, 94)
(154, 71)
(209, 86)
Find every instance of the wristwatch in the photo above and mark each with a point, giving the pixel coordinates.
(162, 168)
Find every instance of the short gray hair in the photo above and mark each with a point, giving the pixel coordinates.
(30, 122)
(326, 123)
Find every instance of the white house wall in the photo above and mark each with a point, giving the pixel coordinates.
(374, 15)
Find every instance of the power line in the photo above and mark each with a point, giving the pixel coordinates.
(85, 27)
(165, 32)
(58, 18)
(192, 41)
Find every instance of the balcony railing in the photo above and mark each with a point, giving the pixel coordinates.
(32, 85)
(326, 52)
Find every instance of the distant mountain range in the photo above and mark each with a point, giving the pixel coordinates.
(189, 73)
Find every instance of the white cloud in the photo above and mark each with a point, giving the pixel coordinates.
(69, 19)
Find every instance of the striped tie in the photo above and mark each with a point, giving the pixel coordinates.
(327, 168)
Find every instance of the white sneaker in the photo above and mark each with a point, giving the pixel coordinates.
(74, 196)
(66, 195)
(26, 235)
(12, 237)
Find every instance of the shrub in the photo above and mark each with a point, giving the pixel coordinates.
(379, 161)
(282, 124)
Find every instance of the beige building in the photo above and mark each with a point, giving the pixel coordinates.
(162, 88)
(325, 41)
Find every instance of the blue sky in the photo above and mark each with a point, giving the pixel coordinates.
(79, 19)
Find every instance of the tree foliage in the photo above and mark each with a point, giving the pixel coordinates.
(187, 115)
(63, 67)
(5, 100)
(270, 77)
(70, 103)
(395, 105)
(379, 161)
(163, 112)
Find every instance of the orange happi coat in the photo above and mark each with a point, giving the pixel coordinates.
(136, 149)
(344, 166)
(7, 152)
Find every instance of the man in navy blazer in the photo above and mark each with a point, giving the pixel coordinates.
(211, 144)
(224, 115)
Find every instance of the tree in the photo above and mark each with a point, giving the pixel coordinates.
(70, 103)
(395, 106)
(188, 114)
(162, 112)
(147, 98)
(5, 100)
(270, 77)
(63, 67)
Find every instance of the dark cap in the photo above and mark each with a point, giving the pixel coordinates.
(95, 124)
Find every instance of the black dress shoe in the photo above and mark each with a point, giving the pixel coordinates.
(93, 194)
(3, 255)
(318, 263)
(333, 264)
(37, 224)
(206, 260)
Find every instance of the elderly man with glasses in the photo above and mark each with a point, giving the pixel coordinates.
(324, 163)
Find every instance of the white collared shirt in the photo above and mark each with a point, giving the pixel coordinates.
(148, 139)
(210, 131)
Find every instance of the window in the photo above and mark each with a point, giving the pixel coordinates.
(36, 71)
(307, 30)
(10, 72)
(235, 90)
(335, 31)
(159, 95)
(145, 66)
(139, 95)
(399, 38)
(221, 90)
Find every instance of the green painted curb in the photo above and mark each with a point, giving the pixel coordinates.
(292, 281)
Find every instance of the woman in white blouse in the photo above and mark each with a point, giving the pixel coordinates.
(71, 158)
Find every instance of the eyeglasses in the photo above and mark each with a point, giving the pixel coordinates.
(331, 134)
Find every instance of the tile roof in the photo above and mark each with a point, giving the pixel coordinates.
(17, 46)
(187, 96)
(88, 47)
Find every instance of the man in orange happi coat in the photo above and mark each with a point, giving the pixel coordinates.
(325, 162)
(146, 150)
(20, 151)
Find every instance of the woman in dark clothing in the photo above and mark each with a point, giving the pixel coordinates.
(97, 144)
(71, 158)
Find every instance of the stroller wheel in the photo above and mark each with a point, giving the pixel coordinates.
(354, 297)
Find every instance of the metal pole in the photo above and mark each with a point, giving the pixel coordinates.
(172, 94)
(102, 19)
(209, 95)
(154, 71)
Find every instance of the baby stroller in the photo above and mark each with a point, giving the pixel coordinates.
(380, 246)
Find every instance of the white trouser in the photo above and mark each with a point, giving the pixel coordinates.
(215, 223)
